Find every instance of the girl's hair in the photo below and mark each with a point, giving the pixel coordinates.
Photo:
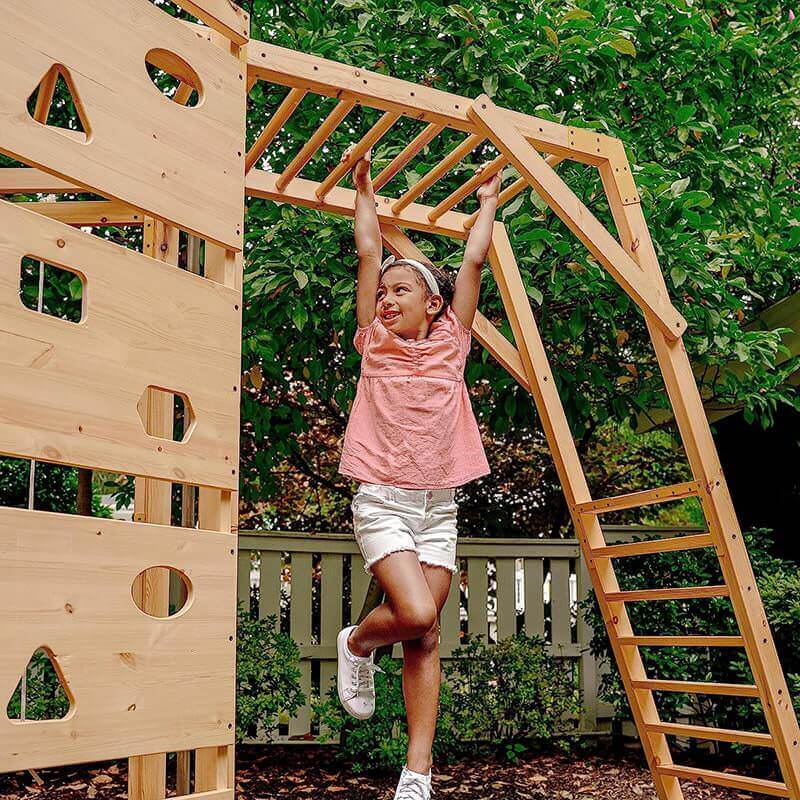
(443, 279)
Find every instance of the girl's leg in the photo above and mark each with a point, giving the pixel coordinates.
(422, 677)
(409, 612)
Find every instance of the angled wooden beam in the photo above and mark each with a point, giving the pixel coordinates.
(88, 212)
(317, 139)
(653, 301)
(447, 163)
(371, 137)
(483, 330)
(468, 187)
(272, 128)
(224, 16)
(420, 141)
(30, 180)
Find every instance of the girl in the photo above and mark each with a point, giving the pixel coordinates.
(411, 440)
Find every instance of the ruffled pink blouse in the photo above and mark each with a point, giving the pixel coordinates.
(412, 424)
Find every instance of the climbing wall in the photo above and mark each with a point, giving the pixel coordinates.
(137, 618)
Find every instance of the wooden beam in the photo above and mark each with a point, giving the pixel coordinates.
(577, 217)
(370, 138)
(468, 187)
(88, 212)
(418, 143)
(650, 546)
(648, 497)
(318, 138)
(427, 180)
(672, 593)
(273, 127)
(698, 687)
(223, 16)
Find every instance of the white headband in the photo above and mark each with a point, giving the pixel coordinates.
(427, 275)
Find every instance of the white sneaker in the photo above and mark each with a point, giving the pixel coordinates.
(413, 786)
(355, 682)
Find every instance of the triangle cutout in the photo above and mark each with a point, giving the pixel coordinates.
(56, 104)
(46, 692)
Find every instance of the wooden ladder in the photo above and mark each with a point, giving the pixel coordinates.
(647, 287)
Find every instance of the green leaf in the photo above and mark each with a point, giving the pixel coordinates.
(623, 45)
(551, 35)
(577, 323)
(535, 295)
(490, 84)
(76, 288)
(576, 13)
(299, 316)
(301, 278)
(678, 274)
(684, 114)
(678, 187)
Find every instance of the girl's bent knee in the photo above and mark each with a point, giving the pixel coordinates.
(416, 621)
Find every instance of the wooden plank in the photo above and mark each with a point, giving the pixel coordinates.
(450, 616)
(468, 187)
(317, 139)
(477, 595)
(699, 687)
(243, 579)
(131, 307)
(757, 785)
(182, 165)
(68, 582)
(676, 593)
(87, 212)
(224, 16)
(270, 586)
(429, 178)
(370, 138)
(672, 545)
(300, 629)
(681, 641)
(359, 583)
(647, 497)
(330, 618)
(417, 144)
(716, 734)
(577, 217)
(273, 127)
(560, 601)
(534, 596)
(29, 180)
(506, 601)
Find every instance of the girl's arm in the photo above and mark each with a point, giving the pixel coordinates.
(468, 280)
(369, 243)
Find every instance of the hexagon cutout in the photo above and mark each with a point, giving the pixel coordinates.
(166, 414)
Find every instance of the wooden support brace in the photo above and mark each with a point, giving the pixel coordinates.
(468, 187)
(699, 687)
(671, 545)
(272, 128)
(373, 135)
(418, 143)
(757, 785)
(672, 593)
(681, 641)
(638, 499)
(577, 217)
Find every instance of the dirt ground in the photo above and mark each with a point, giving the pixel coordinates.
(307, 771)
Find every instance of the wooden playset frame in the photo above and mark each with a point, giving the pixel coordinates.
(141, 686)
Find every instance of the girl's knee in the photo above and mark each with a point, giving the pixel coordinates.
(417, 619)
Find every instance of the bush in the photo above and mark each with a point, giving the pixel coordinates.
(779, 583)
(267, 676)
(501, 697)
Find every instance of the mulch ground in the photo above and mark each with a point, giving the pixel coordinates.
(300, 772)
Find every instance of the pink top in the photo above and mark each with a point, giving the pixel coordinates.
(412, 424)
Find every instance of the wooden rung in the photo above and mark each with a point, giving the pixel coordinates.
(682, 641)
(511, 191)
(427, 180)
(636, 499)
(699, 687)
(673, 593)
(276, 122)
(759, 785)
(671, 545)
(467, 188)
(318, 138)
(373, 135)
(717, 734)
(421, 140)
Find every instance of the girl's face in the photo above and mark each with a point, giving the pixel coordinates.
(403, 305)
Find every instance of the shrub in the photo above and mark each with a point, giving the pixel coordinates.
(267, 676)
(501, 697)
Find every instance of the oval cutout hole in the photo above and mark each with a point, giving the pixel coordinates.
(173, 77)
(180, 591)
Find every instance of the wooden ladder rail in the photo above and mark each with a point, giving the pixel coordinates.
(419, 142)
(467, 188)
(273, 127)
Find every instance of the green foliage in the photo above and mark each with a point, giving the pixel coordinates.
(505, 698)
(45, 698)
(705, 100)
(267, 676)
(778, 581)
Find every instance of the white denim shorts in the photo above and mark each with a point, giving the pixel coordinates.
(387, 519)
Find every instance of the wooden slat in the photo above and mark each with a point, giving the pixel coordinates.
(130, 306)
(243, 579)
(29, 180)
(450, 619)
(88, 212)
(181, 165)
(534, 597)
(478, 592)
(699, 687)
(270, 586)
(716, 734)
(67, 584)
(576, 216)
(224, 16)
(757, 785)
(430, 177)
(359, 583)
(682, 641)
(370, 138)
(559, 601)
(468, 187)
(418, 143)
(300, 629)
(318, 138)
(331, 618)
(273, 127)
(506, 602)
(672, 593)
(637, 499)
(671, 545)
